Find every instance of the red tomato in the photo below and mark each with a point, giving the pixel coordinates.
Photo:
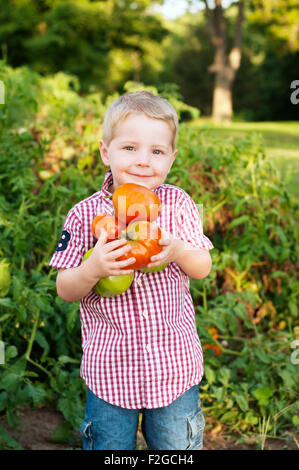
(112, 226)
(139, 252)
(213, 346)
(144, 239)
(135, 202)
(147, 233)
(214, 333)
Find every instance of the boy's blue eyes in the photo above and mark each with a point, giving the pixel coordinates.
(132, 148)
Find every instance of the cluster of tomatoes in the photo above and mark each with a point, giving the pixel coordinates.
(136, 208)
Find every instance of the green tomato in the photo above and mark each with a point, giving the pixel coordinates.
(111, 285)
(154, 269)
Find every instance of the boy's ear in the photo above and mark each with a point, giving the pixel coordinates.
(104, 153)
(173, 158)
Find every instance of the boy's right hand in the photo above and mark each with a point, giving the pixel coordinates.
(102, 261)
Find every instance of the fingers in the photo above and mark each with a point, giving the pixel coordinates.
(113, 245)
(164, 241)
(114, 254)
(103, 237)
(165, 238)
(119, 267)
(124, 263)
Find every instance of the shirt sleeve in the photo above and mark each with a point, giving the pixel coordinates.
(69, 250)
(190, 225)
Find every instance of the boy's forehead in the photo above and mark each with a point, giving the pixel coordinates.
(134, 124)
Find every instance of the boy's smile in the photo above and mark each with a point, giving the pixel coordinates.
(140, 152)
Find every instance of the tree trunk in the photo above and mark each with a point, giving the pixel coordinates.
(225, 65)
(222, 109)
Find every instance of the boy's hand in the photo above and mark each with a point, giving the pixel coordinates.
(102, 261)
(169, 253)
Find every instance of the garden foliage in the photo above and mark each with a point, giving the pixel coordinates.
(49, 160)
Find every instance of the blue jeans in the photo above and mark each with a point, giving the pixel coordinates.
(178, 426)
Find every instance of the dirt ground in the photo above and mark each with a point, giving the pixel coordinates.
(37, 427)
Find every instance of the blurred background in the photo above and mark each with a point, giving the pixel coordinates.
(231, 70)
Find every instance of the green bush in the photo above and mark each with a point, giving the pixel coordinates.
(49, 160)
(250, 297)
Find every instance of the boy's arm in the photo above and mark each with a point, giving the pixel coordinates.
(195, 262)
(74, 283)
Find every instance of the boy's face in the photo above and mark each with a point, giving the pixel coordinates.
(140, 152)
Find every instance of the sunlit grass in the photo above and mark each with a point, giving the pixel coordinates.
(281, 142)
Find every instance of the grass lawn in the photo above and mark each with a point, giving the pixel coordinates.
(281, 142)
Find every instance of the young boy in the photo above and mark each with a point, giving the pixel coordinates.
(141, 351)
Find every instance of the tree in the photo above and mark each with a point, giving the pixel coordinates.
(225, 63)
(103, 42)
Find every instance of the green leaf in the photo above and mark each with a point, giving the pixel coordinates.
(224, 376)
(295, 421)
(7, 442)
(36, 393)
(263, 395)
(10, 352)
(278, 274)
(65, 359)
(63, 433)
(71, 319)
(219, 393)
(43, 343)
(238, 221)
(5, 317)
(269, 250)
(210, 375)
(241, 400)
(229, 417)
(7, 302)
(293, 307)
(281, 235)
(9, 382)
(251, 419)
(263, 356)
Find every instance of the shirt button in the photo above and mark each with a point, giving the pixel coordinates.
(145, 314)
(148, 348)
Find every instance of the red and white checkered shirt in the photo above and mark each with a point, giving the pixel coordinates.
(141, 348)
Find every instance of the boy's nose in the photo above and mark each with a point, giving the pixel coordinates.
(142, 158)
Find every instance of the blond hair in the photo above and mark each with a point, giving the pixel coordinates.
(138, 102)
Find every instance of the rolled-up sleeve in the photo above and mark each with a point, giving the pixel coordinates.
(190, 224)
(69, 250)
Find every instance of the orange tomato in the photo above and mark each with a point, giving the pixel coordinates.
(112, 226)
(143, 236)
(135, 202)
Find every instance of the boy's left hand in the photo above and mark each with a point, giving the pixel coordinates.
(170, 247)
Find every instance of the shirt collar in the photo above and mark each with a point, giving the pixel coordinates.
(108, 181)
